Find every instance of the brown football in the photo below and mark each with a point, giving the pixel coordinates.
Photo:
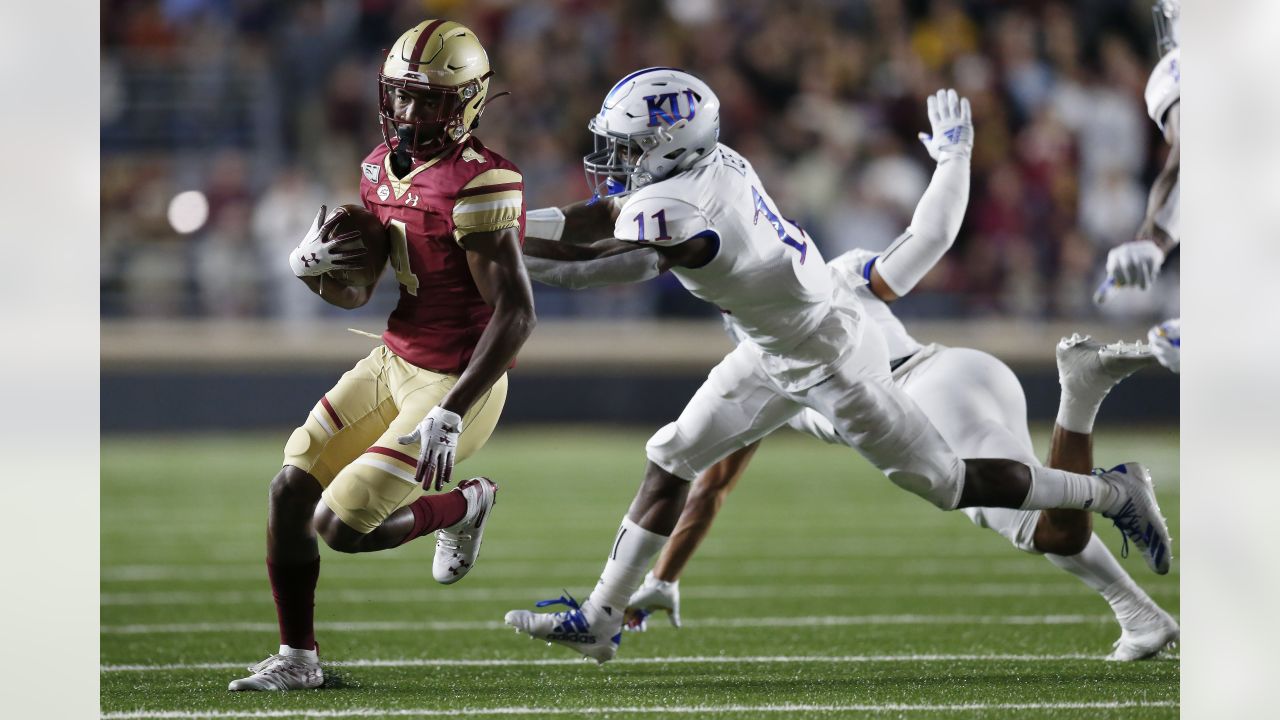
(374, 236)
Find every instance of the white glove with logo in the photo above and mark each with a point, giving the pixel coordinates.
(1134, 264)
(438, 432)
(952, 121)
(1166, 343)
(317, 254)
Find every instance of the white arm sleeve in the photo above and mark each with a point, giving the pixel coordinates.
(546, 223)
(933, 227)
(629, 267)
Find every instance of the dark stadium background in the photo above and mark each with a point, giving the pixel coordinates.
(266, 108)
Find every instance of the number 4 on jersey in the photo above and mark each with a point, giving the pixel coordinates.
(776, 222)
(400, 256)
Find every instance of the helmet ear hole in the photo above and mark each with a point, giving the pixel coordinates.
(674, 154)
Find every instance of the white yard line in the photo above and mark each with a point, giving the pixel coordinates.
(905, 561)
(635, 709)
(678, 659)
(713, 592)
(797, 621)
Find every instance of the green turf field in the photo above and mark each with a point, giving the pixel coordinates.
(823, 591)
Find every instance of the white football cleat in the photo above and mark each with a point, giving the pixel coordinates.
(1152, 633)
(458, 545)
(586, 629)
(1087, 367)
(652, 596)
(1139, 518)
(289, 669)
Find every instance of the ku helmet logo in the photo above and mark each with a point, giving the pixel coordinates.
(658, 112)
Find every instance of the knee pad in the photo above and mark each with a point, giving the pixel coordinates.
(666, 450)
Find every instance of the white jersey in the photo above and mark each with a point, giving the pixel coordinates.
(1164, 89)
(854, 262)
(767, 276)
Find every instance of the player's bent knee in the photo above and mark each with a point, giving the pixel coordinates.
(336, 534)
(941, 495)
(292, 486)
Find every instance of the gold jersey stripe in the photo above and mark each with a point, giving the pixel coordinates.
(496, 176)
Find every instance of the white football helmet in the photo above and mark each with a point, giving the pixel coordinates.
(653, 123)
(1165, 13)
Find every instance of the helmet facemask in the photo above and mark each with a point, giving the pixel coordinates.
(438, 114)
(615, 166)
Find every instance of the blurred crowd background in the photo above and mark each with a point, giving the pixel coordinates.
(261, 110)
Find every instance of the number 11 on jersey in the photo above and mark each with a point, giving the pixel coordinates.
(762, 208)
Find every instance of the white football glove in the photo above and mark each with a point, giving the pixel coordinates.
(317, 254)
(1166, 343)
(438, 432)
(1134, 264)
(952, 121)
(653, 595)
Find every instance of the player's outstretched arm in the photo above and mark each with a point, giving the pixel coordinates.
(1164, 184)
(1137, 263)
(937, 218)
(581, 222)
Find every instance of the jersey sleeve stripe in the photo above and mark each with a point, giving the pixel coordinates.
(490, 188)
(496, 176)
(495, 202)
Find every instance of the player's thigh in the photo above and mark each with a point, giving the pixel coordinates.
(345, 421)
(735, 406)
(885, 425)
(381, 480)
(974, 401)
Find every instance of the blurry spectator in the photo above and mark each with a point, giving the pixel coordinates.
(823, 98)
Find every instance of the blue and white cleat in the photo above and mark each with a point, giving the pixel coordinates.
(1139, 518)
(592, 632)
(652, 596)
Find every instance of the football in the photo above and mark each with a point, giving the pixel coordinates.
(374, 236)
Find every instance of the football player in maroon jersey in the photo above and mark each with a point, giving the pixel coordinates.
(357, 471)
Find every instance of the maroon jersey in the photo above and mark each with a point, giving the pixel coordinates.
(429, 213)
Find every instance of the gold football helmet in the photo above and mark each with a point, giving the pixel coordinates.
(439, 73)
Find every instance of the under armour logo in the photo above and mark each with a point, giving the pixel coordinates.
(411, 199)
(1087, 503)
(953, 135)
(313, 259)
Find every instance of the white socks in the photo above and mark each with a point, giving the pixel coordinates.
(1052, 489)
(1097, 568)
(633, 549)
(299, 653)
(1076, 413)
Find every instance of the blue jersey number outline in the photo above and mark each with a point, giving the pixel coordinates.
(776, 221)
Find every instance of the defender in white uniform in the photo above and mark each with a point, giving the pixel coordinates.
(1137, 263)
(695, 207)
(977, 404)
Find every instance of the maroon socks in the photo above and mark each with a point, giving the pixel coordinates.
(432, 512)
(294, 588)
